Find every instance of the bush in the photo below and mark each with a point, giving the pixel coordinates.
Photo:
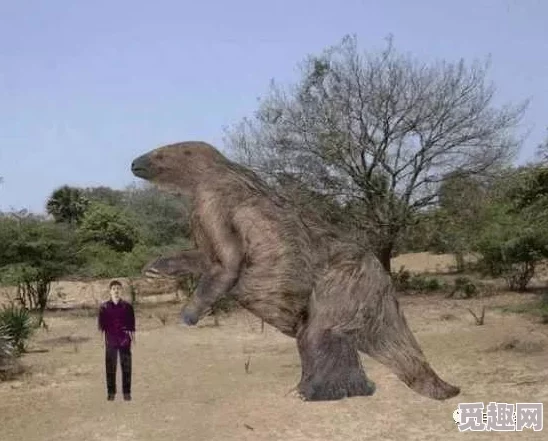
(544, 308)
(432, 284)
(513, 258)
(109, 226)
(466, 286)
(35, 253)
(401, 279)
(514, 235)
(17, 325)
(161, 218)
(421, 283)
(101, 261)
(7, 351)
(405, 281)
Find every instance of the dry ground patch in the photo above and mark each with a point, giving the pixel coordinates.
(192, 384)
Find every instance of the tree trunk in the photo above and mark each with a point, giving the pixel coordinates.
(459, 258)
(384, 254)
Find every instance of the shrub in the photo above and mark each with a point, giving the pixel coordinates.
(161, 218)
(514, 258)
(405, 281)
(512, 241)
(432, 284)
(466, 286)
(544, 308)
(101, 261)
(35, 253)
(7, 351)
(401, 279)
(110, 226)
(17, 325)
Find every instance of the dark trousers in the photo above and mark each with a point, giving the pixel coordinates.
(111, 363)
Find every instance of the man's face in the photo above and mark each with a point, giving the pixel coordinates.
(115, 293)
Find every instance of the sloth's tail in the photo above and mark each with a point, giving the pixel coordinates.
(387, 338)
(357, 298)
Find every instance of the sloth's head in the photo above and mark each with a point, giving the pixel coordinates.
(181, 166)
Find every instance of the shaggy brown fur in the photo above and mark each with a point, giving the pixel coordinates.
(177, 264)
(290, 269)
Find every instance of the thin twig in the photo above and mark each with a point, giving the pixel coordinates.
(479, 320)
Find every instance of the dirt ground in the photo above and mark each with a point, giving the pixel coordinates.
(192, 384)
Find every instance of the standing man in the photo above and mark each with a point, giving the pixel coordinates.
(117, 322)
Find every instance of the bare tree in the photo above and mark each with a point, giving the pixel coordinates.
(542, 152)
(378, 133)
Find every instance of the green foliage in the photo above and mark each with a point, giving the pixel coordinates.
(514, 237)
(17, 325)
(405, 281)
(160, 218)
(34, 254)
(7, 351)
(105, 195)
(465, 285)
(402, 279)
(110, 226)
(538, 308)
(530, 190)
(422, 283)
(544, 308)
(67, 204)
(422, 234)
(513, 256)
(461, 205)
(97, 232)
(101, 261)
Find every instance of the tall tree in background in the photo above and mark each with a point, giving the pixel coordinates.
(542, 151)
(378, 132)
(67, 204)
(104, 195)
(161, 217)
(462, 200)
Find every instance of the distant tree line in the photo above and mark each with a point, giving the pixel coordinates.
(88, 233)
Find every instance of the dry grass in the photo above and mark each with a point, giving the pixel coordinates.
(521, 345)
(232, 382)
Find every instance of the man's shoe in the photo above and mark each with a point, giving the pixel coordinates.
(110, 397)
(127, 397)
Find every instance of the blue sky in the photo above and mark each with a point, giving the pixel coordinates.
(87, 86)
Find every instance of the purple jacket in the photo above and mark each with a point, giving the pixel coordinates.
(117, 321)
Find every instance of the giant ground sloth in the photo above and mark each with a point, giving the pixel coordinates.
(288, 268)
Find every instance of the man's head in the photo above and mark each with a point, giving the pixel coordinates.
(181, 166)
(115, 288)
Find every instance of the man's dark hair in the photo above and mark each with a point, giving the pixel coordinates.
(114, 283)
